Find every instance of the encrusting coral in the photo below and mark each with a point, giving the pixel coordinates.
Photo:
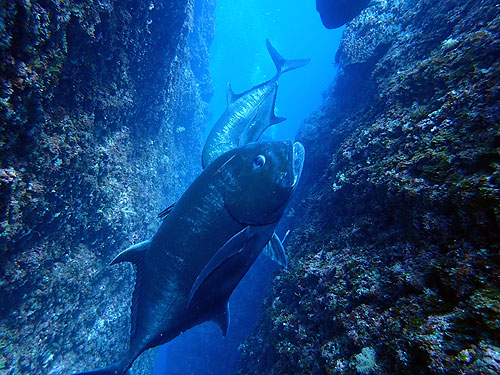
(396, 243)
(92, 97)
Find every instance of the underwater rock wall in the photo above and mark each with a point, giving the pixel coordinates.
(394, 257)
(102, 107)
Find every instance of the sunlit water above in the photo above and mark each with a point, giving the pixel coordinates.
(239, 55)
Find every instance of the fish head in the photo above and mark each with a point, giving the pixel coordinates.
(259, 179)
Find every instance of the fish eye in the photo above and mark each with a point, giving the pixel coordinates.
(259, 161)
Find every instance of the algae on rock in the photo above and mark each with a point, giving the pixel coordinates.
(91, 97)
(397, 232)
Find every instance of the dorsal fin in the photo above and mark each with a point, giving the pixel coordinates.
(221, 317)
(231, 97)
(133, 254)
(283, 65)
(134, 309)
(274, 249)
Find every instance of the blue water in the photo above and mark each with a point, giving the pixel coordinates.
(239, 56)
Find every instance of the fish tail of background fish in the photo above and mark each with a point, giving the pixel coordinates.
(282, 64)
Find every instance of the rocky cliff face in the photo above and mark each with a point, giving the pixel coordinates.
(102, 108)
(394, 260)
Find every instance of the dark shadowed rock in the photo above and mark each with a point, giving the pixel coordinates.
(394, 260)
(335, 13)
(99, 102)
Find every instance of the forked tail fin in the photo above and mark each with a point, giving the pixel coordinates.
(283, 65)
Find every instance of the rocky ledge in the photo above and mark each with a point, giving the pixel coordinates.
(102, 108)
(394, 259)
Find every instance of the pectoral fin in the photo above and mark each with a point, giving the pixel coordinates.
(234, 246)
(274, 249)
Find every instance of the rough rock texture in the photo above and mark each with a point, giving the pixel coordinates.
(102, 108)
(394, 261)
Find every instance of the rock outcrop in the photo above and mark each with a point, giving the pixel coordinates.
(336, 13)
(102, 108)
(394, 259)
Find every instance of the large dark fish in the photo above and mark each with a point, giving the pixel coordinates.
(247, 114)
(206, 244)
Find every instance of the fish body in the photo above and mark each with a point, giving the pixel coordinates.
(247, 114)
(206, 244)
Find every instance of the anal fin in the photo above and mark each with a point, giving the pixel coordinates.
(273, 120)
(222, 318)
(276, 119)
